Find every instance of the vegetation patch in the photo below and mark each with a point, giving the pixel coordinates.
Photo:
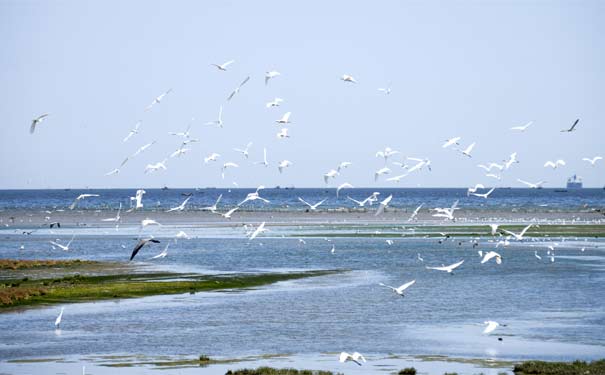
(18, 264)
(274, 371)
(560, 368)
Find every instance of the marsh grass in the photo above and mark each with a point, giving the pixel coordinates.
(274, 371)
(80, 288)
(560, 368)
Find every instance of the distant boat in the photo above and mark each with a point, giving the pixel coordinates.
(574, 182)
(165, 188)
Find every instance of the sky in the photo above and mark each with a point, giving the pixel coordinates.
(472, 69)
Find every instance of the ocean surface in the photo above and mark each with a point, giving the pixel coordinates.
(552, 310)
(287, 199)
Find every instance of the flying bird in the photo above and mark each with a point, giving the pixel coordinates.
(162, 254)
(593, 160)
(64, 247)
(134, 131)
(236, 90)
(264, 162)
(519, 236)
(400, 289)
(415, 213)
(218, 122)
(254, 196)
(523, 127)
(36, 121)
(213, 208)
(245, 151)
(283, 165)
(531, 185)
(274, 103)
(344, 185)
(380, 172)
(212, 157)
(474, 189)
(227, 165)
(270, 75)
(285, 119)
(117, 217)
(156, 166)
(383, 205)
(80, 197)
(223, 66)
(554, 164)
(332, 173)
(490, 326)
(227, 215)
(491, 254)
(180, 207)
(283, 133)
(467, 151)
(58, 320)
(355, 357)
(483, 195)
(348, 78)
(158, 100)
(261, 229)
(140, 245)
(573, 127)
(313, 207)
(141, 149)
(449, 269)
(451, 141)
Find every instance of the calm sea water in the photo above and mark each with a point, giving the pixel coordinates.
(552, 310)
(287, 199)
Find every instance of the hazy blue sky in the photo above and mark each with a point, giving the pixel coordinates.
(466, 68)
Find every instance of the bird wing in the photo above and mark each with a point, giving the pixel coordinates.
(525, 230)
(244, 81)
(455, 265)
(137, 248)
(405, 286)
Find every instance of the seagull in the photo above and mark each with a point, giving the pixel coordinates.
(274, 103)
(162, 254)
(343, 165)
(81, 196)
(271, 74)
(283, 164)
(415, 213)
(474, 189)
(134, 131)
(219, 121)
(420, 258)
(213, 208)
(332, 173)
(484, 195)
(227, 215)
(389, 242)
(117, 218)
(264, 162)
(146, 222)
(36, 121)
(283, 133)
(138, 198)
(348, 78)
(573, 127)
(536, 255)
(522, 128)
(180, 151)
(236, 90)
(448, 269)
(227, 165)
(261, 228)
(380, 172)
(537, 185)
(244, 151)
(555, 164)
(285, 119)
(212, 157)
(223, 66)
(254, 196)
(400, 290)
(491, 326)
(158, 100)
(182, 234)
(467, 151)
(155, 167)
(451, 141)
(371, 199)
(141, 149)
(58, 320)
(313, 207)
(421, 164)
(355, 357)
(447, 213)
(112, 172)
(140, 245)
(490, 166)
(64, 247)
(491, 254)
(383, 205)
(180, 207)
(344, 185)
(182, 134)
(494, 228)
(593, 160)
(512, 159)
(519, 236)
(386, 153)
(385, 90)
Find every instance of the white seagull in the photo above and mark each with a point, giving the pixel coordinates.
(332, 173)
(117, 217)
(223, 66)
(213, 208)
(244, 151)
(348, 78)
(141, 149)
(490, 326)
(283, 164)
(162, 254)
(344, 185)
(158, 100)
(270, 75)
(64, 247)
(593, 160)
(35, 122)
(264, 162)
(467, 151)
(285, 119)
(380, 172)
(134, 131)
(448, 269)
(383, 205)
(474, 189)
(261, 229)
(283, 133)
(573, 127)
(400, 289)
(254, 196)
(313, 207)
(531, 185)
(519, 236)
(451, 141)
(80, 197)
(554, 164)
(227, 165)
(58, 320)
(227, 215)
(155, 167)
(219, 121)
(212, 157)
(355, 357)
(523, 127)
(180, 207)
(483, 195)
(274, 103)
(491, 254)
(236, 90)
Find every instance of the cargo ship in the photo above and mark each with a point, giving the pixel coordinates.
(574, 182)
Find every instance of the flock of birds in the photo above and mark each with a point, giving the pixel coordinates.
(405, 167)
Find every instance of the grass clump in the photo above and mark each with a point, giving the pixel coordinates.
(204, 358)
(560, 368)
(18, 264)
(407, 371)
(274, 371)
